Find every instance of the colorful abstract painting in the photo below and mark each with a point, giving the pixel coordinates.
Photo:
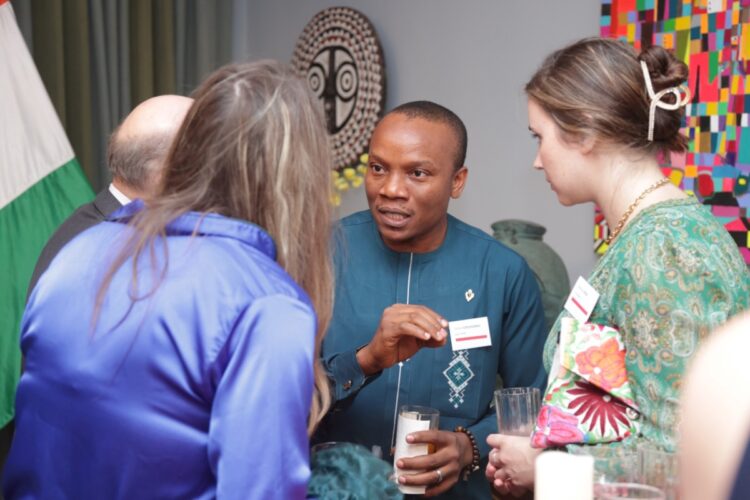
(713, 38)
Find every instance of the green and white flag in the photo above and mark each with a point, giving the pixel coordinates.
(41, 183)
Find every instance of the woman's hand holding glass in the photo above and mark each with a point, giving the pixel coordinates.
(511, 464)
(510, 468)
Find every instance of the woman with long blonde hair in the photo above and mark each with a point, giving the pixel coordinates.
(172, 351)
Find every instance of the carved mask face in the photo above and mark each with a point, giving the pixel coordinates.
(332, 76)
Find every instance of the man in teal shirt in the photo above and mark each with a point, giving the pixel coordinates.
(406, 268)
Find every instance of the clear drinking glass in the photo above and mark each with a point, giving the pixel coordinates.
(612, 465)
(659, 469)
(616, 491)
(412, 419)
(517, 408)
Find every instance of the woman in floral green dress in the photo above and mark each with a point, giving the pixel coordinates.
(602, 115)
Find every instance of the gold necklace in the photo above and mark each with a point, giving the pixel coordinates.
(629, 211)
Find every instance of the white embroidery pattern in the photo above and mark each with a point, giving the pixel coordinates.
(458, 374)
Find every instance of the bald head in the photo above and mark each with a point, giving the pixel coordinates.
(138, 147)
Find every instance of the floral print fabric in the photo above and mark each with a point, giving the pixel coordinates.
(671, 277)
(589, 400)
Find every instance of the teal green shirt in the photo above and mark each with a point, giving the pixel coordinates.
(371, 277)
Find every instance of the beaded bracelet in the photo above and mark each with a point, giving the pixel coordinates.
(474, 465)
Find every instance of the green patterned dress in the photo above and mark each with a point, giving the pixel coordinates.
(671, 277)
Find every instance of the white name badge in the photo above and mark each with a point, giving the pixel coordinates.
(470, 333)
(582, 300)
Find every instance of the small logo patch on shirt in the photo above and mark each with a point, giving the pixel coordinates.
(469, 295)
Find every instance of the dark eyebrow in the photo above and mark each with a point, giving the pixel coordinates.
(417, 164)
(414, 164)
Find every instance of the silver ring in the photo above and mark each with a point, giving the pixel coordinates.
(440, 476)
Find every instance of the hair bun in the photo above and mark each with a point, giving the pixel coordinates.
(665, 69)
(596, 87)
